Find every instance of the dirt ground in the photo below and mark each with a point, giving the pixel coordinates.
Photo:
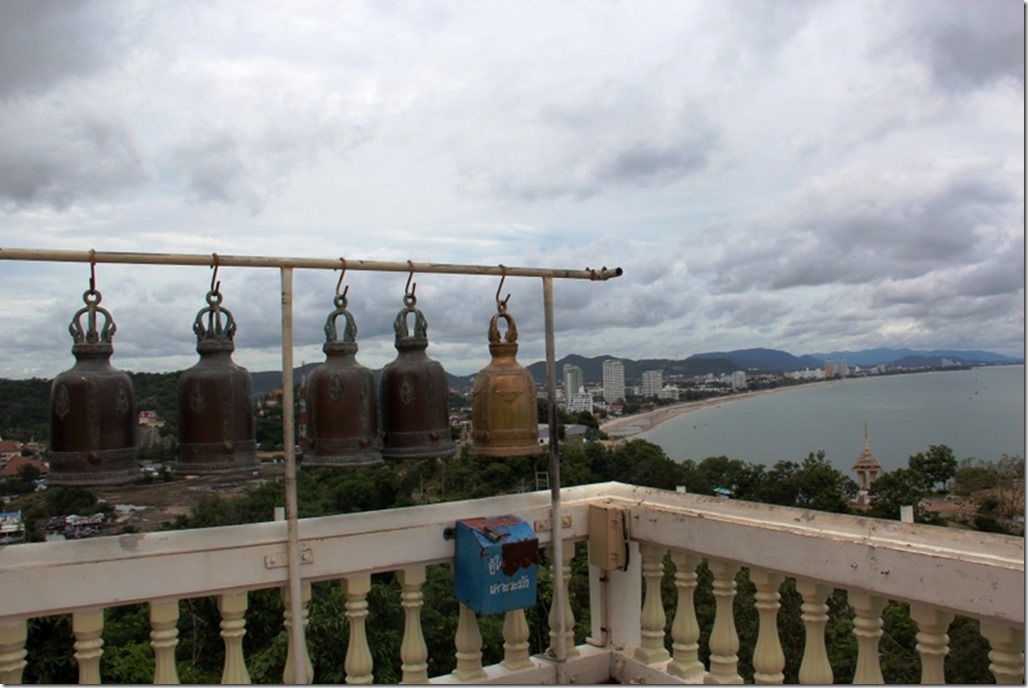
(161, 502)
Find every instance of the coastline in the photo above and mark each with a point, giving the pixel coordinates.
(625, 427)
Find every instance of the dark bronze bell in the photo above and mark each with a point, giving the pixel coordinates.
(92, 409)
(342, 401)
(215, 401)
(504, 416)
(414, 395)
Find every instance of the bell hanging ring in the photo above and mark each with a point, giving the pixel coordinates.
(505, 415)
(342, 401)
(217, 427)
(92, 409)
(414, 395)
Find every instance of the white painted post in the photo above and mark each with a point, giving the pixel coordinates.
(469, 647)
(907, 514)
(515, 640)
(562, 578)
(294, 653)
(1006, 659)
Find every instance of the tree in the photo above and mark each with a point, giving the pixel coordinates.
(939, 465)
(901, 487)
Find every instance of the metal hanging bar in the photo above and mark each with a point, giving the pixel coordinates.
(65, 256)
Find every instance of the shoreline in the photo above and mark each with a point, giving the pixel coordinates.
(625, 427)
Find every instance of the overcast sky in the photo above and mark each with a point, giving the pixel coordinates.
(807, 176)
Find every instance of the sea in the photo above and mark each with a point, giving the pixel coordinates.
(977, 412)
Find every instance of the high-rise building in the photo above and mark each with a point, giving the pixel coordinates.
(573, 380)
(739, 380)
(613, 380)
(652, 382)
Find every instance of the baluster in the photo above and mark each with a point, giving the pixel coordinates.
(724, 641)
(932, 641)
(867, 626)
(12, 651)
(87, 627)
(289, 672)
(1006, 659)
(815, 668)
(768, 658)
(567, 554)
(164, 640)
(469, 647)
(685, 631)
(515, 641)
(233, 627)
(413, 651)
(359, 664)
(651, 648)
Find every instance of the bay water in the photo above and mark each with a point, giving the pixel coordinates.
(978, 413)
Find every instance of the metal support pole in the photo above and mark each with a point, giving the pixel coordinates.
(296, 630)
(557, 541)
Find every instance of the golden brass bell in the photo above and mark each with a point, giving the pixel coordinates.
(92, 409)
(217, 428)
(504, 416)
(414, 395)
(342, 401)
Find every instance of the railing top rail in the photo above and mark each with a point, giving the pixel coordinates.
(59, 255)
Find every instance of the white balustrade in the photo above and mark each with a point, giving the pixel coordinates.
(12, 651)
(724, 641)
(652, 650)
(359, 663)
(932, 641)
(768, 658)
(815, 668)
(685, 630)
(564, 579)
(87, 626)
(1006, 659)
(296, 654)
(164, 640)
(413, 651)
(232, 608)
(516, 653)
(469, 647)
(874, 560)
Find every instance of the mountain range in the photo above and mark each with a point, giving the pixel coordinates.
(718, 363)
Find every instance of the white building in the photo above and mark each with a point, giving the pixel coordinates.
(739, 380)
(652, 382)
(613, 380)
(574, 381)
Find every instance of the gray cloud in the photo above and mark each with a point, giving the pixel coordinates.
(58, 152)
(43, 42)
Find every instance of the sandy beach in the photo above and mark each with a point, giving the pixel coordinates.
(629, 426)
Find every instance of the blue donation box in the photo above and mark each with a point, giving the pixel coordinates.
(496, 564)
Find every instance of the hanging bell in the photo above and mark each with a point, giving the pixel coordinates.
(342, 401)
(504, 416)
(215, 400)
(414, 395)
(92, 409)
